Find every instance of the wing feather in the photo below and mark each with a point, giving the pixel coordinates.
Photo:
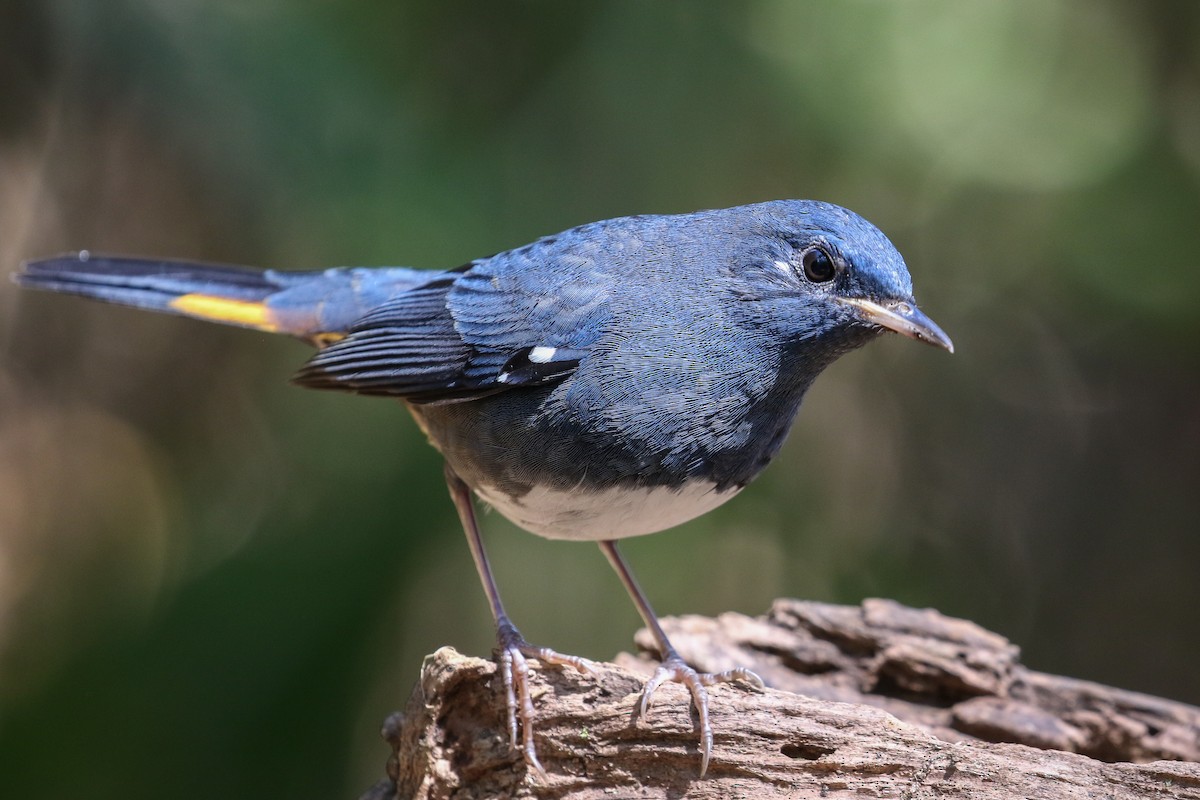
(522, 318)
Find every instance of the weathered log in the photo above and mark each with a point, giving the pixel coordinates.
(877, 701)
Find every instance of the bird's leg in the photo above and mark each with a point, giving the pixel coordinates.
(511, 647)
(673, 668)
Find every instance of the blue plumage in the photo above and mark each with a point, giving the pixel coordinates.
(613, 380)
(691, 341)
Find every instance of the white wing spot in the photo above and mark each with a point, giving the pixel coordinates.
(542, 355)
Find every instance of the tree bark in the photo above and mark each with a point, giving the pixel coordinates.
(873, 701)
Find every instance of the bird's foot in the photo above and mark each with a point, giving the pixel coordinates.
(674, 669)
(512, 652)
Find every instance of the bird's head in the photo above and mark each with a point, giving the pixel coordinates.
(828, 277)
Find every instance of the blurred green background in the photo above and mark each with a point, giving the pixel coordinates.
(214, 584)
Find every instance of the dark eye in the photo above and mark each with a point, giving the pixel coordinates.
(818, 266)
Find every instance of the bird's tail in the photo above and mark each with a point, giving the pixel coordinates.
(318, 306)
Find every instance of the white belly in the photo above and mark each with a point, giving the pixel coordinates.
(605, 514)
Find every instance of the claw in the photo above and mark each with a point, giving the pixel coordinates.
(674, 669)
(514, 673)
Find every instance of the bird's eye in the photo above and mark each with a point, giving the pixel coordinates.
(818, 266)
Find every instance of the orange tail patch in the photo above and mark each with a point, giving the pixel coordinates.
(222, 309)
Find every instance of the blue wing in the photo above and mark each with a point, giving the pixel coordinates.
(521, 318)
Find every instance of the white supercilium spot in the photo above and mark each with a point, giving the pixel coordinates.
(785, 266)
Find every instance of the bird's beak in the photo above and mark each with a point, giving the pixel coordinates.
(902, 317)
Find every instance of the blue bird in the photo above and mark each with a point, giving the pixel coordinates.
(613, 380)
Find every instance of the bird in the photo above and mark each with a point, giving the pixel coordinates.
(616, 379)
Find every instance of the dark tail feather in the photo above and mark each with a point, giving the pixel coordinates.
(143, 283)
(318, 306)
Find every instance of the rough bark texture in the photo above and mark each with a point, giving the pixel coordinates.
(873, 701)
